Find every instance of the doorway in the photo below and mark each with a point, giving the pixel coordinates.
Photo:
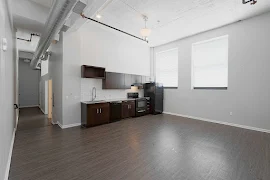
(28, 85)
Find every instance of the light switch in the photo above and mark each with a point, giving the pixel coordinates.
(4, 44)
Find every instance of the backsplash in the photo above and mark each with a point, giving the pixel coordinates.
(102, 94)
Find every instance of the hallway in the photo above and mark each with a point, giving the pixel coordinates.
(32, 125)
(32, 118)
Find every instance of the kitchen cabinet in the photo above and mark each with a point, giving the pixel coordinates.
(128, 81)
(136, 79)
(128, 109)
(95, 114)
(122, 81)
(92, 72)
(113, 81)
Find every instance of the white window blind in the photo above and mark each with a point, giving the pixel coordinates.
(210, 64)
(167, 68)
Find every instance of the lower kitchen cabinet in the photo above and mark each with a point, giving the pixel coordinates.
(95, 114)
(128, 109)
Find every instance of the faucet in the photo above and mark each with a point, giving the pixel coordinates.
(94, 95)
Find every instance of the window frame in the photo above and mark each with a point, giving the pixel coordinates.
(192, 65)
(155, 65)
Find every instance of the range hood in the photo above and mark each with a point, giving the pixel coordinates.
(139, 85)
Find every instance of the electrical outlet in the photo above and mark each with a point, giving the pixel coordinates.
(231, 113)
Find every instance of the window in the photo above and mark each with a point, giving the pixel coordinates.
(210, 64)
(167, 68)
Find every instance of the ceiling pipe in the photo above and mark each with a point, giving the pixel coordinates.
(57, 17)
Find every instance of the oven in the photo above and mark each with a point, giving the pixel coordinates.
(141, 106)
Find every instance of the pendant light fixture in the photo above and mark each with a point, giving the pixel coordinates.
(145, 32)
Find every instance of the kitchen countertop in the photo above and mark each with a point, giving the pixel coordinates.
(108, 101)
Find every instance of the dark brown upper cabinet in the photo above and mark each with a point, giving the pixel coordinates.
(113, 81)
(92, 72)
(128, 81)
(122, 81)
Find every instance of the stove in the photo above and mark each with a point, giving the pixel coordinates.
(140, 104)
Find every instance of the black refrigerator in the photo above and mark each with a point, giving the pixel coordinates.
(156, 93)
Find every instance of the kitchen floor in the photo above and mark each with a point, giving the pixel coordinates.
(149, 147)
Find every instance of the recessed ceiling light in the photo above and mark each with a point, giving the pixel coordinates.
(98, 16)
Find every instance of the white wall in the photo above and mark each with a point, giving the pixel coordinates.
(56, 74)
(43, 96)
(7, 89)
(116, 52)
(248, 94)
(98, 46)
(45, 76)
(71, 78)
(25, 55)
(113, 50)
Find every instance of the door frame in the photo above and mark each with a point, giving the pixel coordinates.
(50, 99)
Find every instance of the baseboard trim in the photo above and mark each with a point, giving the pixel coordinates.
(10, 155)
(42, 111)
(28, 106)
(68, 125)
(17, 121)
(53, 123)
(220, 122)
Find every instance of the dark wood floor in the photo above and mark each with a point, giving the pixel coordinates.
(32, 118)
(150, 147)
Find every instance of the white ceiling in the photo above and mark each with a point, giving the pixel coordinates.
(46, 3)
(29, 15)
(33, 26)
(174, 19)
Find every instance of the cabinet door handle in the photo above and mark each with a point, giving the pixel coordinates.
(97, 111)
(100, 110)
